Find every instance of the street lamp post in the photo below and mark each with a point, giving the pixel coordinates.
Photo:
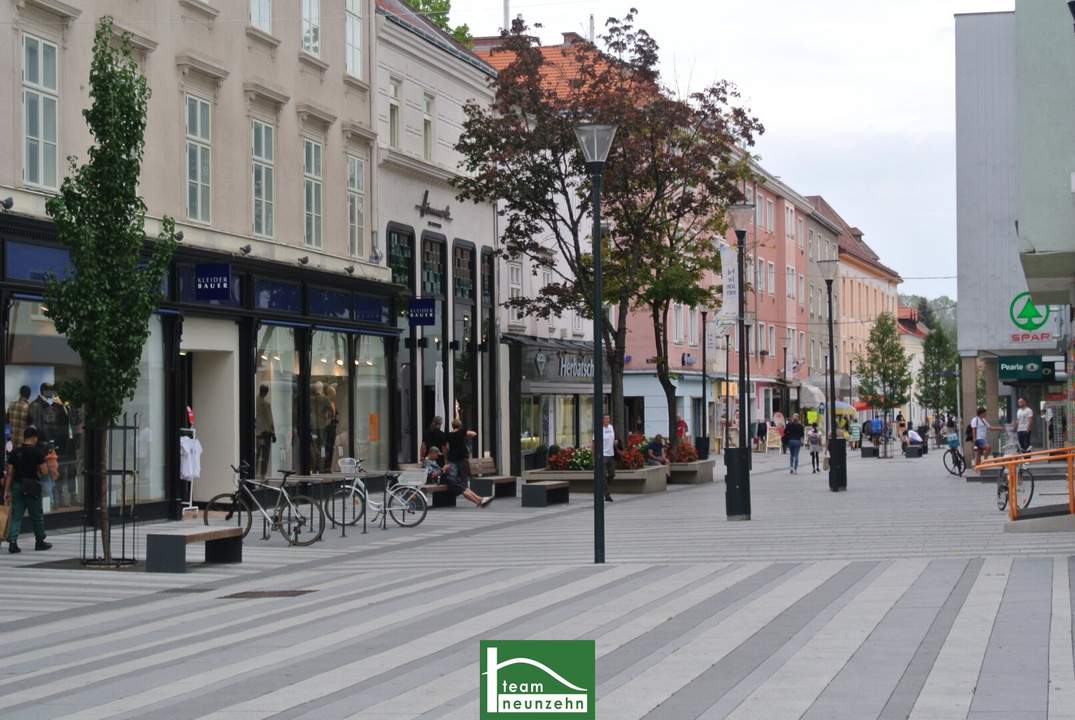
(595, 141)
(703, 451)
(737, 490)
(727, 388)
(837, 446)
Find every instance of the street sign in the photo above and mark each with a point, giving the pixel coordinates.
(1025, 367)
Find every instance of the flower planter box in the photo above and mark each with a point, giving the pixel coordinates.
(630, 482)
(691, 473)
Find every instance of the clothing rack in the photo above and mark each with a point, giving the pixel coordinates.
(193, 434)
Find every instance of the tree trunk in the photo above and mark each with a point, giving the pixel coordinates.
(659, 316)
(615, 352)
(98, 460)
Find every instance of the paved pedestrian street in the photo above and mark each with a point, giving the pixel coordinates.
(902, 598)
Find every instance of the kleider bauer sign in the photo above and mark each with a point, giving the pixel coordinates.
(212, 281)
(422, 311)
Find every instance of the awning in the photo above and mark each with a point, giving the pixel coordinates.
(810, 395)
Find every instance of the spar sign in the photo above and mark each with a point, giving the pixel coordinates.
(1030, 320)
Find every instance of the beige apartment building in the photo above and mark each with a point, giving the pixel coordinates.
(276, 339)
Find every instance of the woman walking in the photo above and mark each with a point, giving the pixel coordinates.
(813, 440)
(794, 432)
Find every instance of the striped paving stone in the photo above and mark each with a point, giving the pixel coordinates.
(901, 598)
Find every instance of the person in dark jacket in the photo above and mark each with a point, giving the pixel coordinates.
(794, 432)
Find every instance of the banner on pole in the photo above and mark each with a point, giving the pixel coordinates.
(729, 307)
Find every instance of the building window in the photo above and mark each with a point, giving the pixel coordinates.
(802, 289)
(199, 159)
(427, 127)
(802, 346)
(770, 215)
(515, 288)
(789, 281)
(263, 181)
(772, 278)
(811, 299)
(356, 205)
(692, 326)
(261, 15)
(39, 98)
(810, 246)
(463, 273)
(576, 321)
(761, 338)
(761, 275)
(748, 267)
(772, 339)
(353, 38)
(677, 323)
(801, 233)
(759, 212)
(401, 258)
(789, 222)
(311, 27)
(395, 94)
(311, 171)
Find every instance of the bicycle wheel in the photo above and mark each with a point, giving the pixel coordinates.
(345, 506)
(953, 462)
(407, 506)
(228, 510)
(1002, 492)
(303, 521)
(1024, 487)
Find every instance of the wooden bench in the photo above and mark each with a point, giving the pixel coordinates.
(485, 481)
(540, 494)
(166, 551)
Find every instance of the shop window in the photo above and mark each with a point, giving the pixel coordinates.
(487, 278)
(372, 310)
(466, 367)
(148, 408)
(276, 295)
(372, 401)
(401, 257)
(330, 303)
(330, 401)
(463, 273)
(276, 405)
(566, 431)
(25, 261)
(39, 359)
(432, 268)
(530, 436)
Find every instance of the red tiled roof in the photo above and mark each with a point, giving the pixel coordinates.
(850, 239)
(908, 322)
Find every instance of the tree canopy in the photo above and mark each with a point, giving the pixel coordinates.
(937, 377)
(437, 12)
(885, 374)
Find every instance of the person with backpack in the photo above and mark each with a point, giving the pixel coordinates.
(26, 466)
(977, 433)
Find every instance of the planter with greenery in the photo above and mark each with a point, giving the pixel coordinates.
(686, 469)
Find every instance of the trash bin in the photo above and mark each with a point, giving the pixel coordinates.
(701, 444)
(737, 483)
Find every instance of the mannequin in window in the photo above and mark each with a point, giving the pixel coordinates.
(49, 415)
(18, 415)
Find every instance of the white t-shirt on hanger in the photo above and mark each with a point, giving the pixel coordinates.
(190, 458)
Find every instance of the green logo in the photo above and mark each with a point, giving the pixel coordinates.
(1026, 315)
(533, 679)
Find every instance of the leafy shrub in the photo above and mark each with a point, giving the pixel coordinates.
(683, 452)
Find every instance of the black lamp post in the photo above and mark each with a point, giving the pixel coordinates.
(595, 141)
(703, 451)
(837, 446)
(727, 388)
(737, 459)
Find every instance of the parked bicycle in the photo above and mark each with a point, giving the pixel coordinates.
(404, 502)
(1024, 488)
(300, 519)
(954, 462)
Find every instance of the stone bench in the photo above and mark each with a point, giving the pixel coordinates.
(542, 493)
(166, 551)
(913, 451)
(869, 451)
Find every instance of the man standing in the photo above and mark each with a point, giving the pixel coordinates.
(980, 428)
(1024, 418)
(26, 465)
(608, 454)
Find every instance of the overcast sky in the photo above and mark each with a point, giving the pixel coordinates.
(857, 98)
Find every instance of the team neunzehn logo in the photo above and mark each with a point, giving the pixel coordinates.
(536, 679)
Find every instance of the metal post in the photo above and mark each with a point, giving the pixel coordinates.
(837, 448)
(727, 390)
(737, 460)
(598, 380)
(787, 393)
(705, 384)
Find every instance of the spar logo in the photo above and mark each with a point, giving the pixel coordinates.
(532, 679)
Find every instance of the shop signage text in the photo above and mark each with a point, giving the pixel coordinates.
(424, 208)
(576, 366)
(422, 311)
(212, 281)
(1027, 367)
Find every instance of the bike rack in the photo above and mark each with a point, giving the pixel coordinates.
(1011, 463)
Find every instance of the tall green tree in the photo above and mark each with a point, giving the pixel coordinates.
(885, 376)
(937, 377)
(437, 12)
(103, 305)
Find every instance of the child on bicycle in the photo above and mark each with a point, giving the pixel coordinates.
(449, 475)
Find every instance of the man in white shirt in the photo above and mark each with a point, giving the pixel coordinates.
(608, 454)
(981, 442)
(1024, 417)
(913, 438)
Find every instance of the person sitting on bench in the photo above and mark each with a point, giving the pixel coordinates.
(655, 454)
(449, 475)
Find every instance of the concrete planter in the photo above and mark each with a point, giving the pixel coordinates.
(869, 452)
(645, 480)
(691, 473)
